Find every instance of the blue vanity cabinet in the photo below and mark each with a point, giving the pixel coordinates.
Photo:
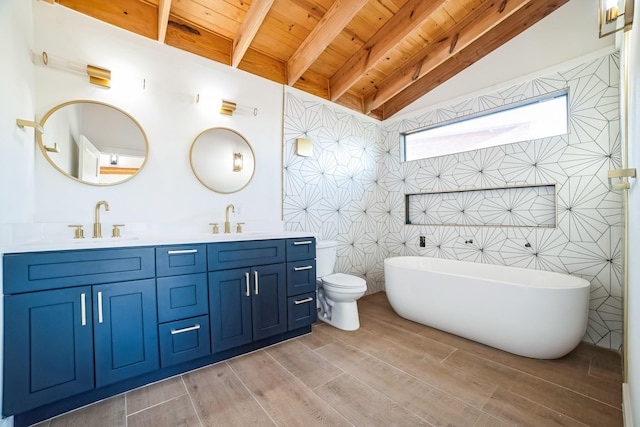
(48, 347)
(301, 283)
(82, 325)
(183, 303)
(59, 341)
(125, 330)
(248, 301)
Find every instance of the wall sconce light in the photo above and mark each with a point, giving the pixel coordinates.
(227, 108)
(609, 14)
(97, 76)
(237, 162)
(304, 147)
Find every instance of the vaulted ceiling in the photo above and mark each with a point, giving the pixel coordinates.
(373, 56)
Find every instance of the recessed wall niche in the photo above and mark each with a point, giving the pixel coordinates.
(516, 206)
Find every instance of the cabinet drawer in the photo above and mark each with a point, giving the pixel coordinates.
(299, 249)
(182, 259)
(62, 269)
(226, 255)
(180, 297)
(302, 310)
(301, 277)
(184, 340)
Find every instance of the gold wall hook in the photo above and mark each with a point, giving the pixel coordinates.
(30, 123)
(53, 149)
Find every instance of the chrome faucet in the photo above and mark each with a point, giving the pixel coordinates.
(97, 227)
(227, 226)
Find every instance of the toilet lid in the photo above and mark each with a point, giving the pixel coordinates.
(341, 280)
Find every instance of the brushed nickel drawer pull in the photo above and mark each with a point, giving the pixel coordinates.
(100, 319)
(255, 277)
(83, 308)
(246, 277)
(302, 301)
(183, 251)
(307, 267)
(304, 242)
(190, 328)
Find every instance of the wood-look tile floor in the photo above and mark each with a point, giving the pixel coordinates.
(391, 372)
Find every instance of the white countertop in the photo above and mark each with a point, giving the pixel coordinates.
(151, 240)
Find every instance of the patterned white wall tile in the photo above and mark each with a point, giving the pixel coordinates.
(353, 187)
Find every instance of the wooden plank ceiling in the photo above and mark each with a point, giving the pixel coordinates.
(373, 56)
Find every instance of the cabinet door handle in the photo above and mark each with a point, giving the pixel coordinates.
(247, 292)
(190, 328)
(304, 242)
(100, 307)
(306, 267)
(255, 277)
(83, 308)
(183, 251)
(302, 301)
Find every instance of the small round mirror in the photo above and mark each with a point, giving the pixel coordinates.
(93, 143)
(222, 160)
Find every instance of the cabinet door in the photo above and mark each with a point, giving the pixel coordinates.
(48, 347)
(229, 309)
(269, 300)
(126, 330)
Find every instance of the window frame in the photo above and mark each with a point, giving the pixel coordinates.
(562, 93)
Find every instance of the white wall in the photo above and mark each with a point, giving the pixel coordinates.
(17, 94)
(165, 196)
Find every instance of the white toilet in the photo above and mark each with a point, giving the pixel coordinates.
(337, 292)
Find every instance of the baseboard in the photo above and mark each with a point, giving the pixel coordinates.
(627, 407)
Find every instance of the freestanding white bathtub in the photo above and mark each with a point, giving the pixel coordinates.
(531, 313)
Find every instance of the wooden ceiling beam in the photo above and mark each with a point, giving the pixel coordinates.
(523, 18)
(249, 28)
(331, 24)
(456, 39)
(411, 16)
(164, 7)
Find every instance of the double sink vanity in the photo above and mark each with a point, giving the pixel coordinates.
(88, 318)
(84, 321)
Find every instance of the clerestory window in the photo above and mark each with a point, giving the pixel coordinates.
(536, 118)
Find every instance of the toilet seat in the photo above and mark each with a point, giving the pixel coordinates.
(344, 281)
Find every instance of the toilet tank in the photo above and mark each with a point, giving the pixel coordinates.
(326, 251)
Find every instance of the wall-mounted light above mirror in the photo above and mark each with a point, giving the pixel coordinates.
(95, 143)
(222, 160)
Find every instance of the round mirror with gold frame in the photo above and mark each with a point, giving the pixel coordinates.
(93, 142)
(222, 160)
